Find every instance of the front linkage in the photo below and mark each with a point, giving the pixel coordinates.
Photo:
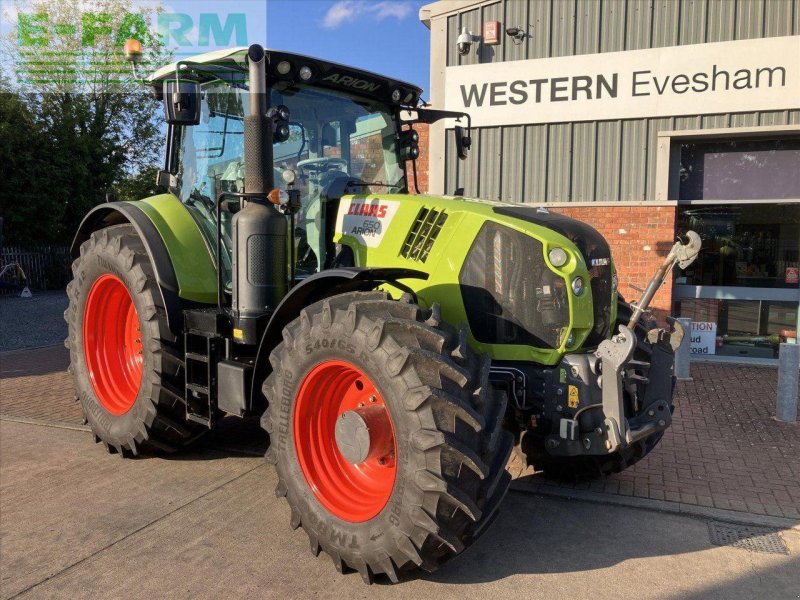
(623, 384)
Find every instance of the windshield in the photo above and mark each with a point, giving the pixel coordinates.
(332, 135)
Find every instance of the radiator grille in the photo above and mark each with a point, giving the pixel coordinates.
(509, 293)
(423, 234)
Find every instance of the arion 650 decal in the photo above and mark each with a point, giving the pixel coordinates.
(366, 220)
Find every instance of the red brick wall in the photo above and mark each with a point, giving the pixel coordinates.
(422, 162)
(640, 237)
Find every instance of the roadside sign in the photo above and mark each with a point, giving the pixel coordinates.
(703, 339)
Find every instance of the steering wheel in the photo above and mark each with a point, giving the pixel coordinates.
(320, 165)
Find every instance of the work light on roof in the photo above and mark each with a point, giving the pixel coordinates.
(284, 67)
(305, 73)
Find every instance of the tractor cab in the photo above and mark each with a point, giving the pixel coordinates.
(332, 127)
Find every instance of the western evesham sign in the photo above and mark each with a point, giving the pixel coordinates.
(740, 76)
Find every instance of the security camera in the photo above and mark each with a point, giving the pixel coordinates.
(517, 34)
(464, 42)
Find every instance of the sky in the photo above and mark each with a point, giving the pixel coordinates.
(384, 36)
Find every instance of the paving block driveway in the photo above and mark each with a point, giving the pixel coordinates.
(77, 522)
(724, 449)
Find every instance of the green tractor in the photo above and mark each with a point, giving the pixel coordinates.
(398, 346)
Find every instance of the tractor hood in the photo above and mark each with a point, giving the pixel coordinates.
(489, 266)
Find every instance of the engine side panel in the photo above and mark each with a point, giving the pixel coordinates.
(435, 234)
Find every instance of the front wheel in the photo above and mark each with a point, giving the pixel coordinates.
(385, 433)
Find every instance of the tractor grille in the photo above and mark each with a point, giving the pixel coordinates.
(423, 234)
(596, 254)
(509, 293)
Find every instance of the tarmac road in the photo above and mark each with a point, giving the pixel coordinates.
(76, 522)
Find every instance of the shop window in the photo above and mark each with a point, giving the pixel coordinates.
(740, 170)
(745, 328)
(746, 245)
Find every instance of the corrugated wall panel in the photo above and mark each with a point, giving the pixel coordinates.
(491, 54)
(665, 23)
(567, 27)
(775, 117)
(796, 21)
(452, 35)
(653, 127)
(587, 26)
(472, 21)
(516, 16)
(778, 18)
(721, 20)
(612, 25)
(535, 184)
(539, 20)
(451, 161)
(748, 119)
(562, 40)
(634, 160)
(639, 18)
(490, 162)
(609, 152)
(468, 169)
(559, 162)
(749, 19)
(688, 122)
(715, 121)
(584, 157)
(693, 21)
(512, 167)
(609, 160)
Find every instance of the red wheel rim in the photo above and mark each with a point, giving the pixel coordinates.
(351, 492)
(112, 344)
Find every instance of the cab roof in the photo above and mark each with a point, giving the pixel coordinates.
(323, 74)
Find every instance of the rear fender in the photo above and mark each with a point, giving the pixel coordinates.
(182, 263)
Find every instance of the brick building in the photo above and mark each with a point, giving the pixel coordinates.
(644, 118)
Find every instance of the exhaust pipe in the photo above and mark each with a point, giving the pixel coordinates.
(259, 231)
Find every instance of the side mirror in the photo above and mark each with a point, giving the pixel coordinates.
(463, 143)
(182, 102)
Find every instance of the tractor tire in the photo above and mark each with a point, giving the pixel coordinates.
(584, 468)
(426, 475)
(126, 365)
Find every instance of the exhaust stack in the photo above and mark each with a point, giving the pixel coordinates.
(259, 231)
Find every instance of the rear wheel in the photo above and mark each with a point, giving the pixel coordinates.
(386, 434)
(126, 364)
(575, 468)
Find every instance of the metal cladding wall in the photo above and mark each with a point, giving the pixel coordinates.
(602, 161)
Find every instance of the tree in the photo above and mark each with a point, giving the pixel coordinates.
(76, 96)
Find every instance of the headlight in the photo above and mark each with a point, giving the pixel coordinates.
(614, 282)
(558, 257)
(577, 286)
(571, 338)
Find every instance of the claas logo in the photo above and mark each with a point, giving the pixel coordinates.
(362, 209)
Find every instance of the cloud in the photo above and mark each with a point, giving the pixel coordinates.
(348, 10)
